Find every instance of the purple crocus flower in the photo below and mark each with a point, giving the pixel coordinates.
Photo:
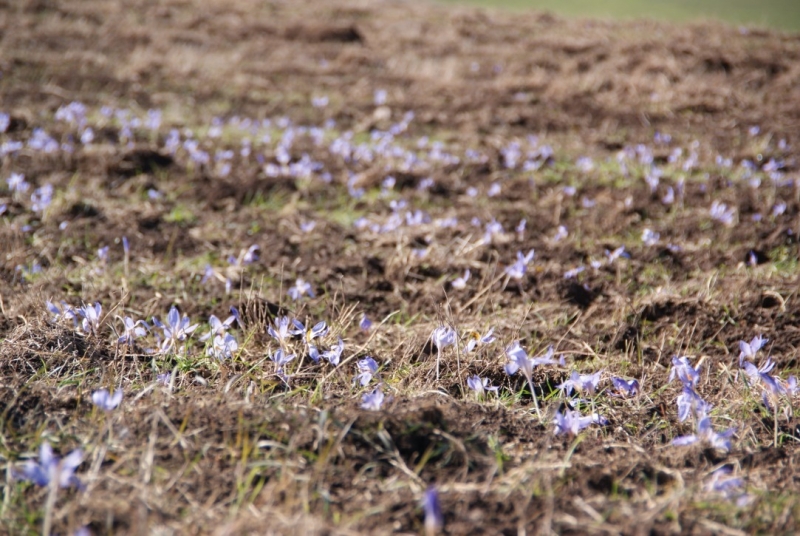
(729, 487)
(51, 469)
(105, 400)
(373, 400)
(626, 387)
(572, 422)
(365, 323)
(520, 267)
(442, 337)
(223, 346)
(705, 433)
(285, 328)
(217, 327)
(333, 355)
(63, 312)
(461, 282)
(519, 361)
(748, 350)
(690, 402)
(434, 520)
(684, 371)
(480, 385)
(475, 339)
(367, 369)
(176, 329)
(132, 330)
(91, 318)
(583, 383)
(300, 289)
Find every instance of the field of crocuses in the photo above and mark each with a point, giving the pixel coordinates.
(369, 268)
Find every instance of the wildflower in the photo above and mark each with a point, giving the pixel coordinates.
(299, 289)
(521, 227)
(164, 378)
(572, 422)
(682, 370)
(690, 402)
(561, 234)
(518, 269)
(373, 401)
(461, 282)
(91, 318)
(772, 386)
(572, 274)
(705, 433)
(16, 183)
(720, 212)
(41, 198)
(320, 329)
(626, 387)
(442, 337)
(581, 382)
(51, 469)
(285, 327)
(105, 400)
(748, 350)
(333, 355)
(367, 369)
(650, 238)
(475, 338)
(251, 255)
(434, 520)
(132, 330)
(521, 362)
(729, 487)
(365, 323)
(223, 346)
(63, 312)
(617, 253)
(281, 358)
(175, 330)
(217, 327)
(480, 385)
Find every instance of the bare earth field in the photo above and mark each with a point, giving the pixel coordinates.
(625, 193)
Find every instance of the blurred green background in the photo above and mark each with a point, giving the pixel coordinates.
(780, 14)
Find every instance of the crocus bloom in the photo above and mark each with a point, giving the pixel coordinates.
(365, 323)
(300, 288)
(480, 385)
(63, 312)
(132, 330)
(461, 282)
(333, 355)
(285, 327)
(650, 238)
(626, 387)
(175, 330)
(584, 383)
(105, 400)
(91, 318)
(217, 327)
(51, 469)
(748, 350)
(475, 338)
(682, 370)
(367, 369)
(519, 360)
(690, 402)
(572, 422)
(520, 267)
(434, 520)
(705, 433)
(223, 346)
(729, 487)
(373, 401)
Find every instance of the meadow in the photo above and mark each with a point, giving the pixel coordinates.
(372, 268)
